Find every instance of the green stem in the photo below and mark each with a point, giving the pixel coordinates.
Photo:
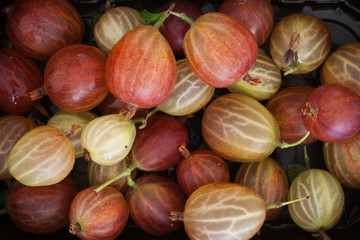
(138, 120)
(281, 204)
(131, 182)
(184, 17)
(287, 145)
(125, 173)
(148, 115)
(294, 65)
(306, 158)
(291, 70)
(164, 15)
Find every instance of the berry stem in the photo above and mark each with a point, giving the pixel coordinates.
(184, 17)
(75, 129)
(125, 173)
(287, 145)
(306, 158)
(291, 70)
(128, 111)
(148, 115)
(163, 16)
(157, 19)
(294, 40)
(281, 204)
(38, 93)
(75, 228)
(131, 182)
(310, 111)
(254, 81)
(184, 151)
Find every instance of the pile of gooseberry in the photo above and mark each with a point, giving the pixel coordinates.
(174, 119)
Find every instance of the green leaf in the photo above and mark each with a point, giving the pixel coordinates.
(294, 170)
(150, 18)
(95, 18)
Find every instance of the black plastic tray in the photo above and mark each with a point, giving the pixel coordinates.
(343, 19)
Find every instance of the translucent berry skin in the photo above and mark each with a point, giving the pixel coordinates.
(163, 195)
(108, 210)
(39, 28)
(212, 208)
(19, 76)
(74, 78)
(43, 209)
(49, 153)
(332, 113)
(141, 68)
(326, 200)
(200, 168)
(257, 15)
(220, 49)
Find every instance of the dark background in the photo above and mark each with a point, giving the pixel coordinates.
(343, 20)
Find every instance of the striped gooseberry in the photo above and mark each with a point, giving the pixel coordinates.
(239, 128)
(198, 168)
(189, 95)
(163, 195)
(108, 139)
(39, 28)
(41, 157)
(225, 210)
(325, 204)
(342, 159)
(161, 130)
(143, 82)
(41, 209)
(331, 112)
(219, 49)
(268, 178)
(76, 87)
(98, 215)
(114, 24)
(257, 15)
(286, 106)
(300, 43)
(19, 75)
(342, 67)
